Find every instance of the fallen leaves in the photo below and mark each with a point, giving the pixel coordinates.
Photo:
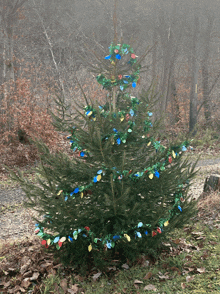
(150, 287)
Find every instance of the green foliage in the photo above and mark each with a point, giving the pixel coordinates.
(123, 193)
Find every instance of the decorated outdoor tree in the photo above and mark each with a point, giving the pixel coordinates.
(124, 191)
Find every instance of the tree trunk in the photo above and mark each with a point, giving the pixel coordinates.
(205, 71)
(194, 81)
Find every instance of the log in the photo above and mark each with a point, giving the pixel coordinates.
(212, 183)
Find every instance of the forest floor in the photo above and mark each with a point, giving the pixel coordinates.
(190, 265)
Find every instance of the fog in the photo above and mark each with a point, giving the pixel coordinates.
(182, 38)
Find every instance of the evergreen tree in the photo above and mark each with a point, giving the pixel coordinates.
(124, 191)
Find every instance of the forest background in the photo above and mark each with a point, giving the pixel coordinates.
(46, 47)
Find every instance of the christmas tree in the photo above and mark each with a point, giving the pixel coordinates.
(125, 190)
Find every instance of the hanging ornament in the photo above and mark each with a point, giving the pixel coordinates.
(157, 174)
(99, 177)
(149, 143)
(151, 176)
(127, 237)
(81, 195)
(173, 154)
(43, 242)
(58, 194)
(133, 56)
(166, 224)
(170, 159)
(63, 239)
(154, 233)
(90, 248)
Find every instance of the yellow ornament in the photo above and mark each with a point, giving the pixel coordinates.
(113, 63)
(81, 194)
(99, 177)
(48, 242)
(89, 114)
(149, 143)
(122, 118)
(174, 154)
(127, 237)
(90, 248)
(113, 81)
(58, 194)
(166, 224)
(63, 239)
(151, 176)
(94, 118)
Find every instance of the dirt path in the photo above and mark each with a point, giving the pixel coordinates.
(16, 221)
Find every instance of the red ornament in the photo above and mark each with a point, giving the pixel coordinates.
(133, 56)
(116, 50)
(127, 117)
(146, 171)
(87, 228)
(159, 230)
(153, 233)
(43, 242)
(38, 230)
(170, 159)
(120, 77)
(130, 172)
(46, 245)
(60, 243)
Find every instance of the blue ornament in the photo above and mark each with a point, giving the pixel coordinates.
(108, 57)
(70, 239)
(138, 234)
(180, 209)
(118, 141)
(133, 84)
(118, 56)
(99, 172)
(126, 82)
(79, 230)
(116, 237)
(95, 180)
(140, 224)
(127, 76)
(150, 113)
(115, 130)
(100, 107)
(157, 174)
(56, 239)
(109, 245)
(36, 225)
(66, 198)
(76, 190)
(184, 148)
(121, 88)
(132, 112)
(126, 50)
(82, 154)
(146, 232)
